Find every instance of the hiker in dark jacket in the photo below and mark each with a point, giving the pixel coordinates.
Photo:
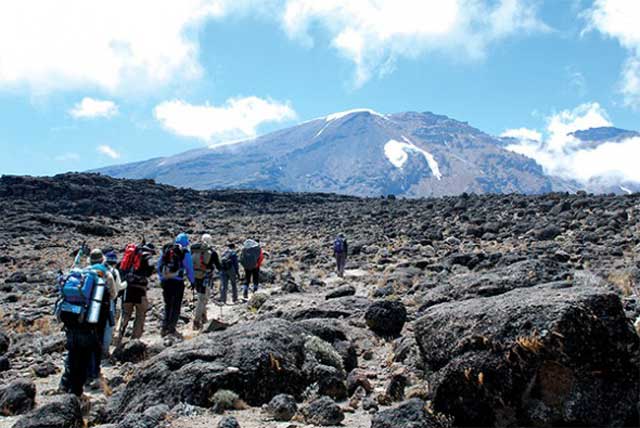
(84, 339)
(134, 296)
(229, 272)
(251, 258)
(340, 250)
(205, 261)
(173, 267)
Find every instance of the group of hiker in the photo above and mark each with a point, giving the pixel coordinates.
(105, 294)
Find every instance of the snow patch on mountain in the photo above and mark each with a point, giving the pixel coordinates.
(626, 190)
(397, 152)
(340, 115)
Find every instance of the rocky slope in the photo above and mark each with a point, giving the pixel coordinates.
(468, 311)
(361, 153)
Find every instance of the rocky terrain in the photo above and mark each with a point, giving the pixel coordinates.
(495, 310)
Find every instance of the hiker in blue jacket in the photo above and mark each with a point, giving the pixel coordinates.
(174, 265)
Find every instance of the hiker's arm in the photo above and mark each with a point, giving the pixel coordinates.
(159, 269)
(187, 263)
(215, 261)
(111, 283)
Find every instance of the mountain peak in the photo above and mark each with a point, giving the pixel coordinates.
(604, 133)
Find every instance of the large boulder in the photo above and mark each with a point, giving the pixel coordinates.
(17, 398)
(537, 355)
(282, 407)
(386, 317)
(4, 343)
(63, 413)
(256, 360)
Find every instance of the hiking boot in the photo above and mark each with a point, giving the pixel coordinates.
(197, 325)
(177, 335)
(164, 333)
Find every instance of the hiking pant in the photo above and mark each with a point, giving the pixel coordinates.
(138, 322)
(108, 330)
(203, 292)
(225, 278)
(248, 275)
(82, 348)
(341, 261)
(172, 293)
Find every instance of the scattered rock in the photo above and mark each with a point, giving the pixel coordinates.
(5, 342)
(323, 411)
(17, 398)
(345, 290)
(62, 413)
(16, 277)
(282, 407)
(228, 422)
(45, 369)
(410, 414)
(134, 351)
(386, 317)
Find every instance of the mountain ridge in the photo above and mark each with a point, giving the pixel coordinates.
(359, 152)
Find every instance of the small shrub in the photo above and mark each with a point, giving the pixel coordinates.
(323, 352)
(224, 399)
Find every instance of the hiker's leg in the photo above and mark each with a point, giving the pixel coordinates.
(127, 310)
(108, 330)
(198, 318)
(245, 286)
(167, 297)
(256, 279)
(234, 288)
(224, 283)
(141, 314)
(178, 304)
(79, 358)
(65, 383)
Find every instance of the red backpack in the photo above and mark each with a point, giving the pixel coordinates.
(131, 259)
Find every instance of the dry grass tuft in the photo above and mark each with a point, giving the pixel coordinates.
(531, 343)
(623, 280)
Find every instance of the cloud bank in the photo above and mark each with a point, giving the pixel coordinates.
(564, 155)
(118, 46)
(238, 118)
(618, 19)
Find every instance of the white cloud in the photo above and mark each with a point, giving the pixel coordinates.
(563, 155)
(91, 108)
(67, 157)
(121, 46)
(115, 45)
(372, 33)
(108, 151)
(619, 19)
(238, 118)
(522, 134)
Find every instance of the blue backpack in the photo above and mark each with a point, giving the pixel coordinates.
(76, 292)
(338, 246)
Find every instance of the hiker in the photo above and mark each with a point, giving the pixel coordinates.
(340, 249)
(251, 258)
(111, 262)
(84, 310)
(229, 272)
(175, 262)
(205, 259)
(135, 268)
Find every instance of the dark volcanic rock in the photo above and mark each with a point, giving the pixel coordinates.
(63, 413)
(386, 318)
(228, 422)
(345, 290)
(283, 407)
(410, 414)
(323, 411)
(150, 418)
(134, 351)
(568, 350)
(4, 343)
(192, 371)
(17, 398)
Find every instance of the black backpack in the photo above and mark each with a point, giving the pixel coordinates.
(226, 263)
(172, 256)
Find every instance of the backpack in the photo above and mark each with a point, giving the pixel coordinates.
(201, 255)
(250, 254)
(338, 246)
(76, 292)
(226, 262)
(131, 259)
(172, 256)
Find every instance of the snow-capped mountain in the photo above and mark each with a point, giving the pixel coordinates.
(358, 152)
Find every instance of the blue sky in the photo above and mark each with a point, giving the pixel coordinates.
(84, 87)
